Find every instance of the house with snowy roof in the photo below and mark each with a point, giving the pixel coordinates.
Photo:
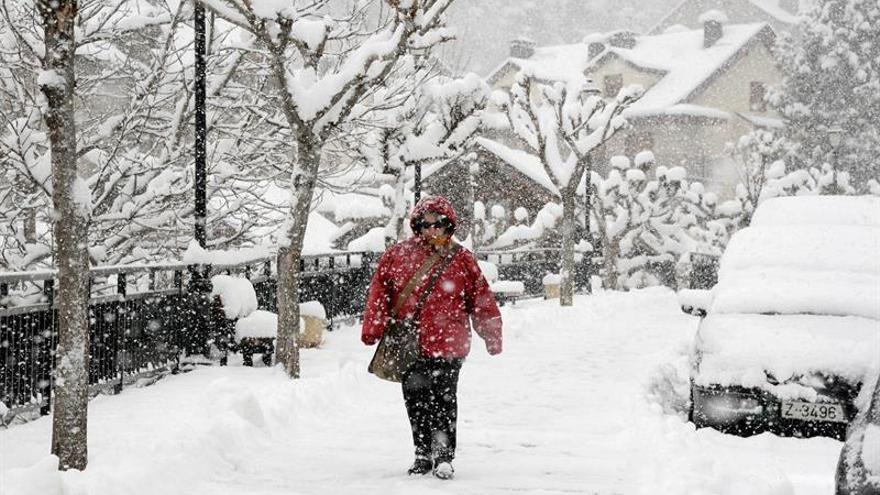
(704, 88)
(781, 15)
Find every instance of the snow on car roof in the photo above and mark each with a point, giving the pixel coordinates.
(819, 247)
(833, 210)
(807, 268)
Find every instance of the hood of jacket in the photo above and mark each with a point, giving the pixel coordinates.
(436, 204)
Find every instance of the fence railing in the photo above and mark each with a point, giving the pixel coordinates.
(143, 318)
(529, 267)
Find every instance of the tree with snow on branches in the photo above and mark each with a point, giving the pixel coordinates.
(561, 124)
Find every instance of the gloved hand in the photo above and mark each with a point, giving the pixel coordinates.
(493, 348)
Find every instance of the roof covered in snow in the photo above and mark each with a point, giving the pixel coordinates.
(772, 7)
(523, 162)
(554, 63)
(685, 66)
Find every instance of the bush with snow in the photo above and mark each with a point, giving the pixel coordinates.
(644, 225)
(237, 295)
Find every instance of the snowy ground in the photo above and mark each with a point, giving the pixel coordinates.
(573, 405)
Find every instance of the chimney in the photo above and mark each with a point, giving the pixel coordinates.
(713, 26)
(522, 48)
(623, 39)
(594, 49)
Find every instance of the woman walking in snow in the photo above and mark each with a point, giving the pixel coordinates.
(459, 292)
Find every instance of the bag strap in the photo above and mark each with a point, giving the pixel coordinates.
(430, 286)
(411, 285)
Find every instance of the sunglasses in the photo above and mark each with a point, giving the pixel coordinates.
(443, 224)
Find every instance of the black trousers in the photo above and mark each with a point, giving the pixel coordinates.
(430, 392)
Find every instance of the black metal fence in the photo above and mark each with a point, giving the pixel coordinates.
(143, 318)
(528, 267)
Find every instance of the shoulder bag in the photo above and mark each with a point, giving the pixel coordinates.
(398, 348)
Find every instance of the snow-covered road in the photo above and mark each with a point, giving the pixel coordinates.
(571, 406)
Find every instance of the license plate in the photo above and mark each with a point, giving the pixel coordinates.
(813, 411)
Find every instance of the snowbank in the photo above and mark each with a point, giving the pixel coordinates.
(585, 426)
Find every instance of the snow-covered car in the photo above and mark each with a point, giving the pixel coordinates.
(792, 329)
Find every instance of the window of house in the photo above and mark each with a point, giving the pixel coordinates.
(613, 83)
(757, 93)
(637, 141)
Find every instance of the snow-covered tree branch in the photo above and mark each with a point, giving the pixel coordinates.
(326, 65)
(562, 124)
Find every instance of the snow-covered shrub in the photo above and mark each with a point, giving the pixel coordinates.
(644, 225)
(766, 171)
(497, 223)
(236, 293)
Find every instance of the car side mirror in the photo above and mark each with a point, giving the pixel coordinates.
(695, 302)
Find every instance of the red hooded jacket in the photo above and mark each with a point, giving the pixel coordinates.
(460, 293)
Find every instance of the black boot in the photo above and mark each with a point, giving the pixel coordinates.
(422, 465)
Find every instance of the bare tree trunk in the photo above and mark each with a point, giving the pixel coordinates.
(289, 256)
(70, 419)
(611, 251)
(30, 225)
(394, 232)
(566, 289)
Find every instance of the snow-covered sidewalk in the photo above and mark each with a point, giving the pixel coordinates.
(570, 407)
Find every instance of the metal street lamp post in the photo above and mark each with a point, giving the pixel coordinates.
(200, 284)
(417, 185)
(201, 130)
(835, 136)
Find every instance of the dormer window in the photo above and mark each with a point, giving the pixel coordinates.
(613, 83)
(757, 97)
